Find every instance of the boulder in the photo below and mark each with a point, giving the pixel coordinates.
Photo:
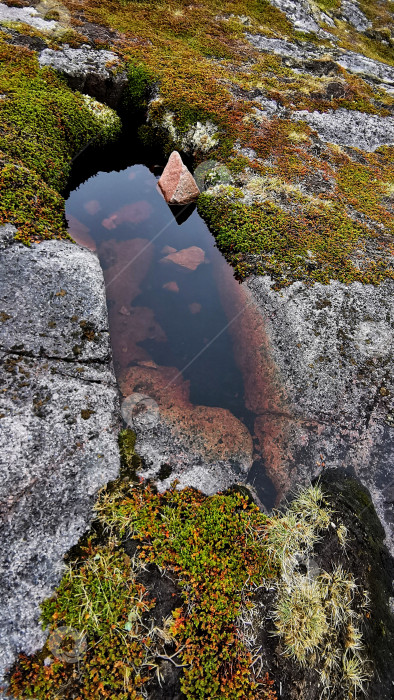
(177, 183)
(91, 71)
(59, 423)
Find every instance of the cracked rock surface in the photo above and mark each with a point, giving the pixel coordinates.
(59, 421)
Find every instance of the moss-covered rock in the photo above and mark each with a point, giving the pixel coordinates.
(43, 127)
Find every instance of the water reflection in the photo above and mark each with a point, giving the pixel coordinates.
(162, 273)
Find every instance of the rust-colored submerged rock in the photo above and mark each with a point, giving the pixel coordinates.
(126, 264)
(274, 426)
(211, 432)
(187, 258)
(177, 183)
(80, 233)
(171, 287)
(130, 213)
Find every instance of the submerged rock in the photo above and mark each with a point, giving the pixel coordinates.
(92, 207)
(130, 213)
(195, 307)
(126, 264)
(177, 183)
(171, 287)
(212, 433)
(188, 258)
(80, 233)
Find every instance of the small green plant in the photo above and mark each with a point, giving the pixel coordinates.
(221, 550)
(296, 531)
(354, 674)
(318, 622)
(213, 546)
(139, 80)
(130, 461)
(99, 597)
(300, 618)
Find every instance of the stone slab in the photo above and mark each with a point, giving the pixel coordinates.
(58, 420)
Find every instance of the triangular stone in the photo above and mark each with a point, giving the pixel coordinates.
(177, 183)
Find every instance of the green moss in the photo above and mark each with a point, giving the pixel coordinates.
(130, 461)
(139, 80)
(212, 545)
(214, 548)
(362, 186)
(99, 599)
(329, 5)
(221, 549)
(43, 126)
(263, 238)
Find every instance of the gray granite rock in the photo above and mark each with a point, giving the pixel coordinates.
(59, 423)
(376, 71)
(299, 12)
(7, 234)
(344, 127)
(333, 345)
(281, 47)
(158, 446)
(352, 13)
(306, 16)
(27, 15)
(350, 127)
(95, 72)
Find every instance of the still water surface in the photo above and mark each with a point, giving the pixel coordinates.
(162, 273)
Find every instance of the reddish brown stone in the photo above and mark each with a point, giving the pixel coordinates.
(195, 307)
(275, 426)
(177, 183)
(131, 213)
(188, 258)
(92, 206)
(128, 325)
(171, 286)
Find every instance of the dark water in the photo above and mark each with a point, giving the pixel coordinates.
(182, 321)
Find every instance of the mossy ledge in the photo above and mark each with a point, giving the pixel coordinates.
(44, 125)
(257, 599)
